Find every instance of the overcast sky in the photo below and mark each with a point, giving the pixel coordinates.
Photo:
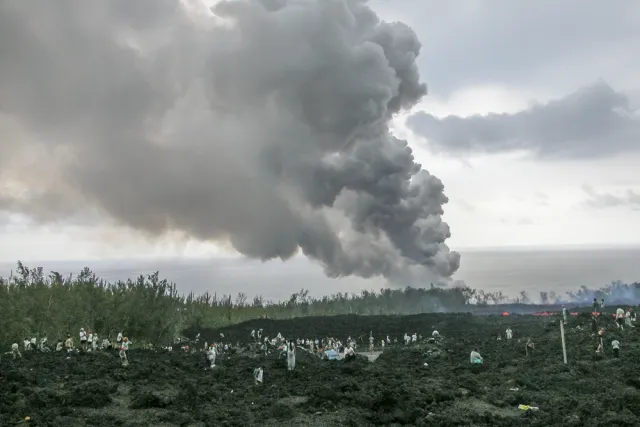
(531, 122)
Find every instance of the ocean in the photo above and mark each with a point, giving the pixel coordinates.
(506, 270)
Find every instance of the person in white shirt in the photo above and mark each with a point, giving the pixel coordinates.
(124, 347)
(349, 353)
(90, 339)
(34, 344)
(435, 334)
(94, 345)
(475, 358)
(119, 339)
(370, 343)
(211, 355)
(627, 318)
(27, 344)
(414, 338)
(68, 343)
(406, 339)
(258, 375)
(616, 348)
(509, 333)
(620, 318)
(83, 339)
(291, 356)
(15, 350)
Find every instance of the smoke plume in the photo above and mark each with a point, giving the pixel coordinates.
(261, 124)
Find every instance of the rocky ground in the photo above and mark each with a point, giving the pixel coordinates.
(174, 389)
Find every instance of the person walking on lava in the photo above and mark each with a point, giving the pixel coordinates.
(509, 333)
(627, 318)
(211, 355)
(258, 375)
(291, 356)
(594, 324)
(68, 344)
(620, 318)
(124, 347)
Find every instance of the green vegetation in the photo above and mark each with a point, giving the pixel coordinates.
(152, 310)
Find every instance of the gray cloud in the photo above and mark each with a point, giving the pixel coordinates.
(269, 132)
(465, 205)
(597, 200)
(595, 121)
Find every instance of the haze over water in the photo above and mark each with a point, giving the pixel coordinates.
(506, 270)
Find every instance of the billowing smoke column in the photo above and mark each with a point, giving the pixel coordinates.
(264, 124)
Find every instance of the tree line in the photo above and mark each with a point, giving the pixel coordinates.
(151, 309)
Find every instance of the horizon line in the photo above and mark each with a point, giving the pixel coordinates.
(239, 257)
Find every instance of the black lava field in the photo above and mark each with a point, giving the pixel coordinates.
(174, 389)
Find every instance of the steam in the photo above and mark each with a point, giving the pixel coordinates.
(264, 125)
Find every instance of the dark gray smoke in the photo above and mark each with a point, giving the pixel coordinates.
(265, 125)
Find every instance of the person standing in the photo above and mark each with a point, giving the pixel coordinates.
(83, 339)
(68, 344)
(291, 356)
(258, 375)
(211, 355)
(119, 340)
(15, 350)
(627, 318)
(620, 318)
(124, 348)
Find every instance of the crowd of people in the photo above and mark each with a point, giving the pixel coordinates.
(89, 342)
(328, 348)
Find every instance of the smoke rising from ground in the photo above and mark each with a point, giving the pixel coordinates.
(264, 125)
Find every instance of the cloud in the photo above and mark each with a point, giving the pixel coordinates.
(593, 122)
(598, 200)
(264, 125)
(465, 205)
(516, 221)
